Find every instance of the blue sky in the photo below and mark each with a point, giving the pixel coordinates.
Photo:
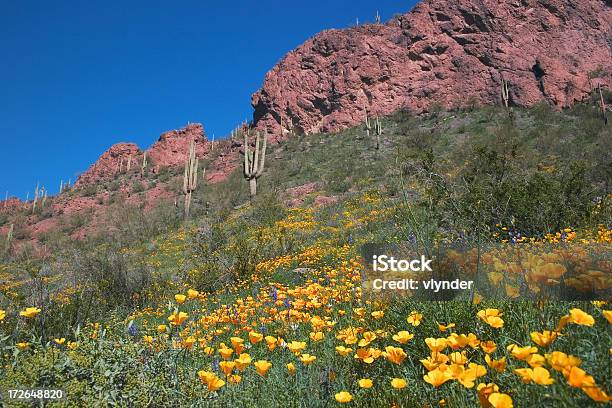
(78, 76)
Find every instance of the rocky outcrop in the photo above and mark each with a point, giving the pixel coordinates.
(172, 147)
(11, 204)
(111, 163)
(446, 53)
(170, 150)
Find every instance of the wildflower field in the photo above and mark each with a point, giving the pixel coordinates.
(263, 304)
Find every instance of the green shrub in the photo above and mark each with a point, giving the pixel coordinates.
(114, 185)
(89, 190)
(73, 222)
(137, 187)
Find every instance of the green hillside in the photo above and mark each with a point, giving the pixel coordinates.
(277, 279)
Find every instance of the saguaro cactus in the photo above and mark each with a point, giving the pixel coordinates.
(378, 131)
(254, 161)
(9, 236)
(505, 94)
(144, 163)
(44, 198)
(368, 125)
(602, 105)
(190, 178)
(36, 193)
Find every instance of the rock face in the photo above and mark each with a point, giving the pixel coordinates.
(170, 150)
(172, 147)
(10, 204)
(112, 162)
(444, 52)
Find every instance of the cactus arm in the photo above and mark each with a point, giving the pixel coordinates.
(256, 157)
(505, 93)
(194, 180)
(263, 157)
(185, 175)
(35, 199)
(246, 156)
(602, 105)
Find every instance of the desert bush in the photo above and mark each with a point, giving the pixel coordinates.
(137, 187)
(21, 230)
(132, 224)
(46, 212)
(73, 222)
(165, 174)
(225, 250)
(114, 185)
(89, 190)
(104, 278)
(491, 193)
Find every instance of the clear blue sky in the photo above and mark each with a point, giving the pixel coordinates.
(78, 76)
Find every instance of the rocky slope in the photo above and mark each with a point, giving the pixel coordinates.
(121, 164)
(169, 150)
(172, 146)
(444, 52)
(112, 162)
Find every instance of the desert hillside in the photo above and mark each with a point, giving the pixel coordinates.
(254, 302)
(473, 135)
(442, 53)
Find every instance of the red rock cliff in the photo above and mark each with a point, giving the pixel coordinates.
(172, 147)
(170, 150)
(113, 161)
(446, 52)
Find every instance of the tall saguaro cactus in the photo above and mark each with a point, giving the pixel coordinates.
(378, 131)
(254, 161)
(505, 94)
(144, 163)
(368, 125)
(44, 197)
(190, 178)
(602, 105)
(9, 236)
(36, 193)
